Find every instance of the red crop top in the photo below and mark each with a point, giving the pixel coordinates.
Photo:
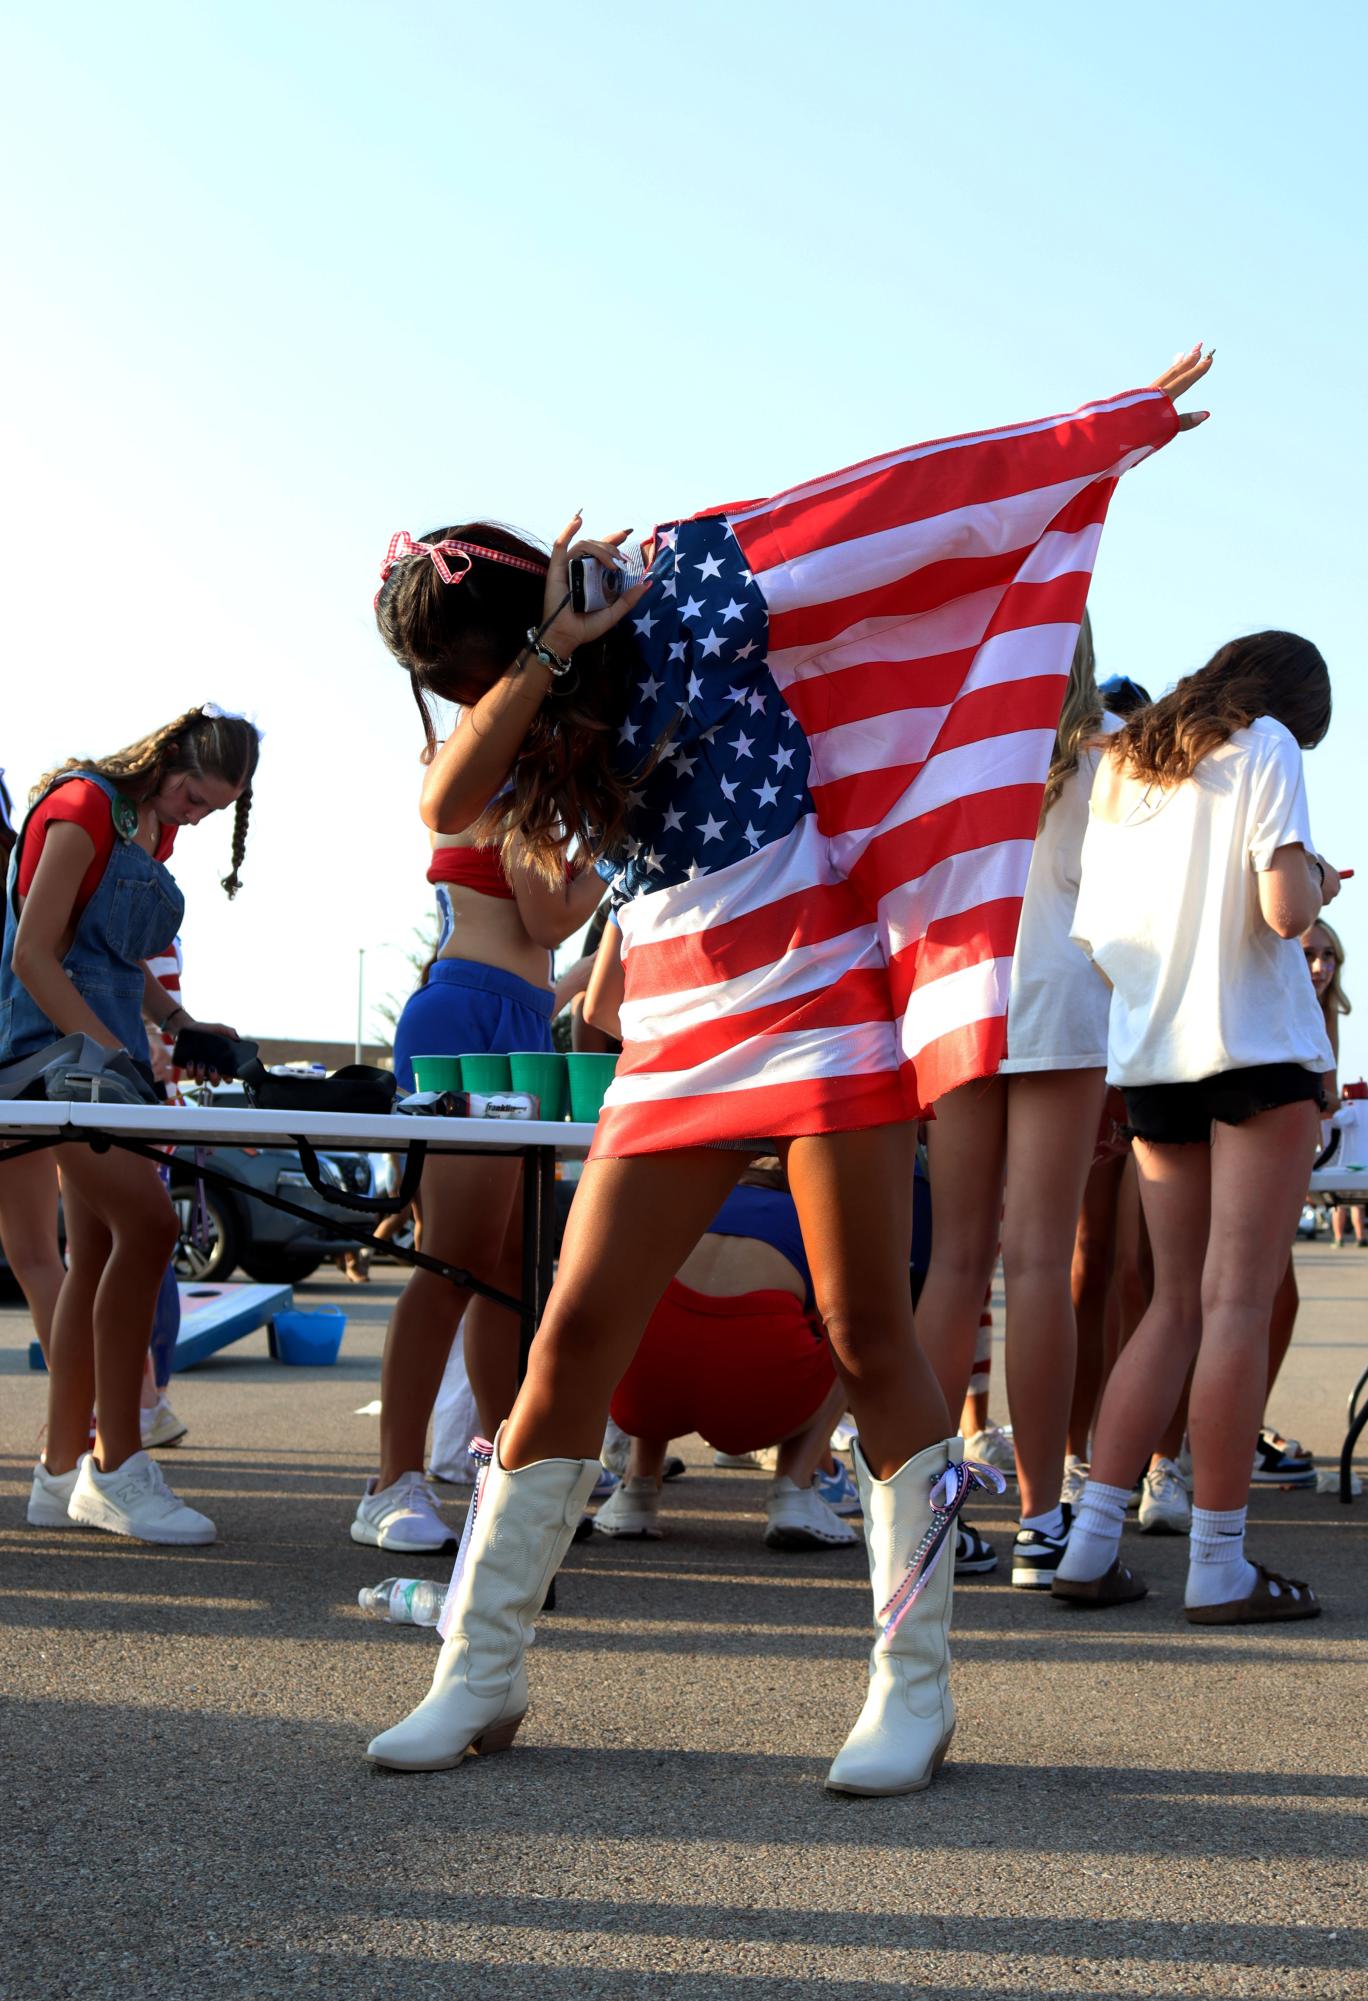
(480, 869)
(83, 804)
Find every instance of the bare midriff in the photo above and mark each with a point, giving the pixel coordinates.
(489, 930)
(726, 1267)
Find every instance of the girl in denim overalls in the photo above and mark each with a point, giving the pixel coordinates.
(73, 961)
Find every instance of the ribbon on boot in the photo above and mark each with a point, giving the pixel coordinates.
(949, 1492)
(482, 1452)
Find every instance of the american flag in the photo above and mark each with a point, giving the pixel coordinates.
(838, 739)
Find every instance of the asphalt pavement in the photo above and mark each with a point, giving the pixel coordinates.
(1133, 1806)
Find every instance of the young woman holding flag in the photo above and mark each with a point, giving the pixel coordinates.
(813, 741)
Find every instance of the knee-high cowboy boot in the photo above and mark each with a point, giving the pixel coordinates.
(908, 1719)
(519, 1529)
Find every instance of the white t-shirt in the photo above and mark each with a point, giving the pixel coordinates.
(1169, 909)
(1057, 1007)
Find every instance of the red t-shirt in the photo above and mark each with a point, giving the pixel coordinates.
(84, 804)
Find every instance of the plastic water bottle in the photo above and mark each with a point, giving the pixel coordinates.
(404, 1601)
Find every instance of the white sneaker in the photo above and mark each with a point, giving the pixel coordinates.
(50, 1498)
(1185, 1462)
(402, 1517)
(993, 1447)
(633, 1509)
(798, 1518)
(160, 1425)
(1075, 1480)
(1164, 1505)
(135, 1501)
(617, 1448)
(762, 1461)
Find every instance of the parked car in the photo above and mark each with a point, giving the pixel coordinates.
(232, 1230)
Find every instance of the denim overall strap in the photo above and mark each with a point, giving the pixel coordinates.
(135, 913)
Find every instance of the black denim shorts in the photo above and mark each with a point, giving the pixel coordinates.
(1182, 1114)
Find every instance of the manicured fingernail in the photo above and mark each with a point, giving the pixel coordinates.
(1200, 417)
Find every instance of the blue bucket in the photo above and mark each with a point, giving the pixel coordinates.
(309, 1340)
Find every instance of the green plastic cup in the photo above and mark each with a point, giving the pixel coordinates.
(485, 1074)
(590, 1076)
(437, 1073)
(543, 1073)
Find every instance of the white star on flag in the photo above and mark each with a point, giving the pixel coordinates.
(646, 624)
(711, 829)
(730, 610)
(648, 689)
(690, 610)
(709, 567)
(766, 793)
(712, 647)
(742, 744)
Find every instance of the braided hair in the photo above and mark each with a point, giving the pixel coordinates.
(204, 743)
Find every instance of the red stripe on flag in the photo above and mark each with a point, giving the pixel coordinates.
(919, 487)
(958, 1057)
(840, 694)
(861, 995)
(979, 820)
(862, 799)
(768, 1111)
(933, 584)
(742, 944)
(967, 938)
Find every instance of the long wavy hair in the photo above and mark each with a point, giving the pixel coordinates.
(456, 640)
(1080, 719)
(202, 743)
(1276, 674)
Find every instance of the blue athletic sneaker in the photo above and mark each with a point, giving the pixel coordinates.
(603, 1486)
(839, 1490)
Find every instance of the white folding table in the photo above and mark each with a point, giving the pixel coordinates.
(145, 1130)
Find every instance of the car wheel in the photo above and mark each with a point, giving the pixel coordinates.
(280, 1267)
(213, 1254)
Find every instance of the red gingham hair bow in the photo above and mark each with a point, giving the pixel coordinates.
(402, 546)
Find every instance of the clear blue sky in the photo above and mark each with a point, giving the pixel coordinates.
(285, 278)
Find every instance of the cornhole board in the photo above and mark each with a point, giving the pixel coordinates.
(213, 1317)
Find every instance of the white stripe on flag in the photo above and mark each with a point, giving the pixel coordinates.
(974, 993)
(859, 1049)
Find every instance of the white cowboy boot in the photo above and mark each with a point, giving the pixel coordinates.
(908, 1719)
(519, 1529)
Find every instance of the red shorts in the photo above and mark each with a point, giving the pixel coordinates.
(744, 1371)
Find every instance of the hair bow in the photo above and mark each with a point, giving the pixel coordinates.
(402, 546)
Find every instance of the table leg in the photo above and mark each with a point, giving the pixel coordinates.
(539, 1242)
(1357, 1421)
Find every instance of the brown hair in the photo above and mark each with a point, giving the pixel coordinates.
(456, 640)
(203, 743)
(1080, 719)
(1276, 674)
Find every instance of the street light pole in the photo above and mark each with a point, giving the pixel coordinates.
(360, 996)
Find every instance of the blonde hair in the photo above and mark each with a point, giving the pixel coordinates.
(1080, 719)
(1334, 1000)
(204, 743)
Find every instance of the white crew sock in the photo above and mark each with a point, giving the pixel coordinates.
(1095, 1533)
(1051, 1523)
(1218, 1570)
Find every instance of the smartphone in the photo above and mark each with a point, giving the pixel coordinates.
(594, 586)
